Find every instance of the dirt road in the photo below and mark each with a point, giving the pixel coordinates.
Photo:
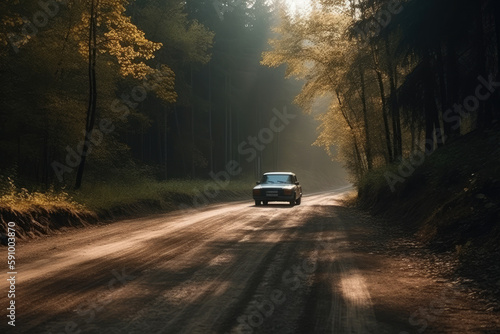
(236, 268)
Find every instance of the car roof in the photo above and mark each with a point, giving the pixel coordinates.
(279, 173)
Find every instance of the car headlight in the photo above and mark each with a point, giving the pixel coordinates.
(287, 192)
(256, 192)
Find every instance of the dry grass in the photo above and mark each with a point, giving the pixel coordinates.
(350, 199)
(43, 212)
(22, 200)
(114, 195)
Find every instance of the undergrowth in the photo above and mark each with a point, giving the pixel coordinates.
(22, 200)
(41, 212)
(108, 195)
(119, 194)
(453, 198)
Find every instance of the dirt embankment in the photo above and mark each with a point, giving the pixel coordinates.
(38, 220)
(451, 202)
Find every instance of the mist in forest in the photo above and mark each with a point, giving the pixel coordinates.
(94, 91)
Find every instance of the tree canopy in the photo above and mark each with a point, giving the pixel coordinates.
(174, 88)
(399, 75)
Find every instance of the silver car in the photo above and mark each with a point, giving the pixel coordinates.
(278, 187)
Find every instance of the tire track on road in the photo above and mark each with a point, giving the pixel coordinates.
(339, 300)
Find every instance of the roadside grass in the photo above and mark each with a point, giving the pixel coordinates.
(38, 212)
(103, 196)
(118, 196)
(22, 200)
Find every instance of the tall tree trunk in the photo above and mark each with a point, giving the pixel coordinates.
(92, 105)
(413, 131)
(210, 117)
(431, 111)
(396, 118)
(230, 122)
(429, 124)
(380, 81)
(179, 136)
(368, 148)
(226, 127)
(485, 112)
(359, 161)
(496, 11)
(438, 130)
(432, 85)
(443, 87)
(193, 152)
(452, 75)
(165, 143)
(384, 116)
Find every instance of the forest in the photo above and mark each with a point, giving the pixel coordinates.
(401, 78)
(168, 89)
(175, 89)
(133, 131)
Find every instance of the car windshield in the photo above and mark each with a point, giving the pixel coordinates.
(276, 178)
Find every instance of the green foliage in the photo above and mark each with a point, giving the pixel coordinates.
(45, 83)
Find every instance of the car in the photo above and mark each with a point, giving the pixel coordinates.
(279, 187)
